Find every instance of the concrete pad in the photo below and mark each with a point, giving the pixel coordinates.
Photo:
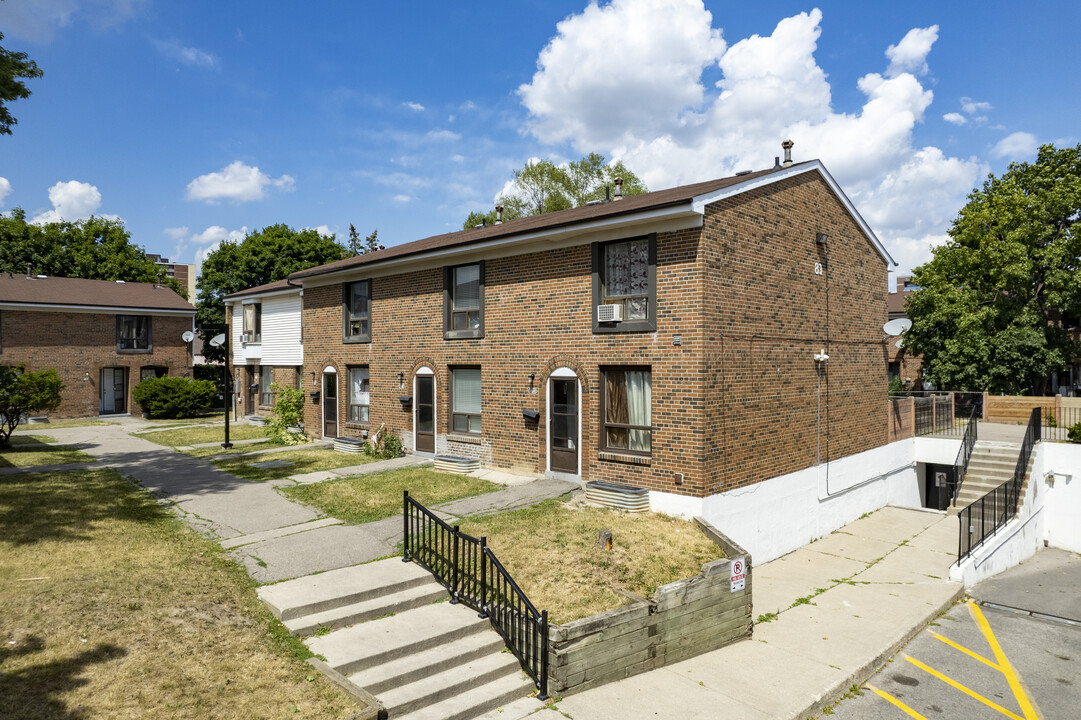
(942, 536)
(305, 553)
(907, 564)
(892, 524)
(779, 583)
(314, 477)
(280, 532)
(503, 478)
(509, 498)
(842, 544)
(1048, 583)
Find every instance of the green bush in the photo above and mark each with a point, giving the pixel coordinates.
(174, 397)
(388, 446)
(1074, 433)
(288, 414)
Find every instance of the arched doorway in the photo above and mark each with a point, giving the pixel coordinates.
(564, 422)
(424, 410)
(330, 402)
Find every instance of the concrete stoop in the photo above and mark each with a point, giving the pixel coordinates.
(991, 464)
(394, 634)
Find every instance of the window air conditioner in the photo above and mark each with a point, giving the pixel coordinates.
(246, 337)
(610, 313)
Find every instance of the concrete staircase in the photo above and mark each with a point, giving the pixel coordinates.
(388, 628)
(992, 464)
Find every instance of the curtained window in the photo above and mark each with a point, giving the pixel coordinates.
(253, 323)
(133, 333)
(625, 274)
(359, 393)
(464, 301)
(266, 377)
(465, 400)
(628, 397)
(356, 304)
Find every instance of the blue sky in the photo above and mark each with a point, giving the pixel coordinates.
(199, 121)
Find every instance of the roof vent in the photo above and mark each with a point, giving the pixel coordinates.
(776, 161)
(120, 282)
(787, 147)
(743, 172)
(619, 188)
(498, 214)
(41, 277)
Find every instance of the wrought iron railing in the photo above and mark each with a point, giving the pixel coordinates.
(941, 411)
(983, 518)
(964, 454)
(474, 576)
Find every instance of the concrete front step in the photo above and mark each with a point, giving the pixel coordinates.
(338, 588)
(454, 681)
(427, 662)
(389, 638)
(370, 609)
(484, 699)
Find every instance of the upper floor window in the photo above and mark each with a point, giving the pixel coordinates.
(133, 333)
(463, 301)
(253, 323)
(359, 394)
(465, 400)
(356, 311)
(626, 409)
(625, 276)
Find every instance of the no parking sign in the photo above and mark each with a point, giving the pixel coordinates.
(739, 574)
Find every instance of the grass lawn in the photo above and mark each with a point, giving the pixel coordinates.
(301, 461)
(30, 450)
(196, 435)
(215, 416)
(235, 450)
(74, 422)
(367, 498)
(111, 607)
(550, 551)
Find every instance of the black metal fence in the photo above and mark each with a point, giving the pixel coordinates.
(983, 518)
(1058, 423)
(474, 576)
(964, 453)
(940, 412)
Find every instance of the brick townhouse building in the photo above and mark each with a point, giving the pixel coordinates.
(103, 337)
(697, 342)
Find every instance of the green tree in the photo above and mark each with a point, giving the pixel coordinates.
(542, 187)
(13, 66)
(24, 392)
(999, 297)
(265, 256)
(94, 249)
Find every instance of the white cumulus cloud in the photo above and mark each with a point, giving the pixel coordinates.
(190, 56)
(216, 234)
(72, 200)
(910, 55)
(237, 182)
(972, 107)
(955, 118)
(657, 115)
(5, 189)
(413, 106)
(1016, 146)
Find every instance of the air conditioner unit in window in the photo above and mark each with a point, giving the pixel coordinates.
(246, 337)
(610, 313)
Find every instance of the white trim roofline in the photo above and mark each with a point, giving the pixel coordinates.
(126, 310)
(699, 203)
(255, 297)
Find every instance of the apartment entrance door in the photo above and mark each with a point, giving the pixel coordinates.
(330, 404)
(563, 425)
(114, 391)
(424, 422)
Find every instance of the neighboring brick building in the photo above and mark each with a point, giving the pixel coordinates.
(487, 342)
(900, 363)
(101, 336)
(265, 333)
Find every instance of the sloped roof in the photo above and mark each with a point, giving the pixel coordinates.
(70, 292)
(275, 286)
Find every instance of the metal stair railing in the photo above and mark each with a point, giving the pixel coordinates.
(964, 454)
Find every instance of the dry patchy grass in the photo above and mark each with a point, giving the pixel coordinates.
(235, 450)
(550, 551)
(196, 435)
(31, 450)
(301, 461)
(111, 607)
(367, 498)
(73, 422)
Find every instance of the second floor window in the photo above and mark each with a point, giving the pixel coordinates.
(464, 302)
(625, 275)
(356, 309)
(253, 323)
(133, 333)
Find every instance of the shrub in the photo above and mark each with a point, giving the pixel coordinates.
(387, 445)
(1074, 433)
(288, 414)
(24, 392)
(174, 397)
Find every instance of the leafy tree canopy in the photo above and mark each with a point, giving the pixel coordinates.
(262, 257)
(22, 393)
(13, 66)
(999, 299)
(93, 249)
(542, 187)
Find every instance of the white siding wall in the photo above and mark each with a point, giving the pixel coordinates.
(280, 333)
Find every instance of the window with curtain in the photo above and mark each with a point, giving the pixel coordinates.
(464, 301)
(625, 274)
(357, 311)
(359, 393)
(628, 397)
(465, 400)
(253, 322)
(133, 333)
(266, 377)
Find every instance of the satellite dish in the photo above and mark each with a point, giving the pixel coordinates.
(217, 340)
(188, 336)
(900, 344)
(897, 327)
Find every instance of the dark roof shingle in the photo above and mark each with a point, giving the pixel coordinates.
(60, 291)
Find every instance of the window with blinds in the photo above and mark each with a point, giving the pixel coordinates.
(464, 301)
(465, 400)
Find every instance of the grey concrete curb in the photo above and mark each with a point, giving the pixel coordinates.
(862, 674)
(373, 709)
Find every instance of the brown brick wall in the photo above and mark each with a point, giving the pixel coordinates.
(735, 403)
(78, 343)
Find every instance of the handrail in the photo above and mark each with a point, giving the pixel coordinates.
(467, 567)
(983, 518)
(964, 454)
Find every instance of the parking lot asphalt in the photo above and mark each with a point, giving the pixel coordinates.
(1013, 650)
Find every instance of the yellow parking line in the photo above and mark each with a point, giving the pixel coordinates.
(965, 650)
(1027, 706)
(967, 691)
(896, 702)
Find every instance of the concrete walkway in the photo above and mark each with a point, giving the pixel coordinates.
(274, 537)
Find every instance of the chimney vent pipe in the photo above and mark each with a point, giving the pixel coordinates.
(498, 214)
(619, 188)
(787, 146)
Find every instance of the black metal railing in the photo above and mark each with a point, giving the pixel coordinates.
(983, 518)
(1057, 423)
(940, 411)
(474, 576)
(964, 454)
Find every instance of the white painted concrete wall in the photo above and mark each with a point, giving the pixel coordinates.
(779, 515)
(941, 451)
(1060, 473)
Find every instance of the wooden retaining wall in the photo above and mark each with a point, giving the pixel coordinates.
(683, 619)
(902, 418)
(1017, 409)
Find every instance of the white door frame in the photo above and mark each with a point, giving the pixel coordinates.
(328, 370)
(427, 372)
(561, 372)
